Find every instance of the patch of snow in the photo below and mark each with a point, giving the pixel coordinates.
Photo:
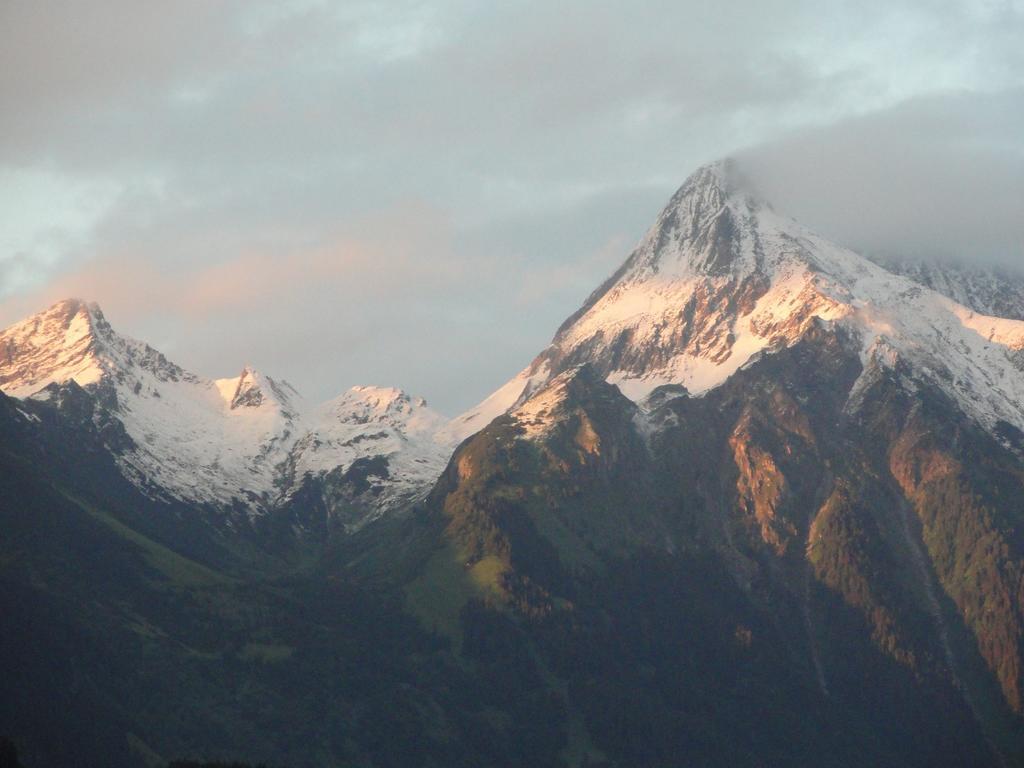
(500, 402)
(533, 413)
(28, 416)
(375, 421)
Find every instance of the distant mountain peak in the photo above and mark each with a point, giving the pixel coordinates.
(694, 235)
(63, 316)
(224, 440)
(390, 398)
(75, 316)
(365, 404)
(60, 343)
(72, 306)
(248, 393)
(696, 231)
(253, 389)
(72, 341)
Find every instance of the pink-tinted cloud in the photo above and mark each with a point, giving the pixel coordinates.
(411, 252)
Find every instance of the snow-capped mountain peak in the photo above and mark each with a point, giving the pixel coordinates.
(694, 233)
(253, 389)
(58, 343)
(247, 438)
(72, 340)
(402, 434)
(722, 278)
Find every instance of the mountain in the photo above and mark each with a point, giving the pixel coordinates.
(757, 504)
(744, 403)
(247, 444)
(722, 279)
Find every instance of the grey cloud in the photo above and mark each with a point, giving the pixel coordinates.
(939, 177)
(498, 160)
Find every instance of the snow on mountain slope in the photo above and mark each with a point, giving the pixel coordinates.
(722, 278)
(499, 402)
(991, 290)
(215, 441)
(72, 340)
(364, 414)
(374, 421)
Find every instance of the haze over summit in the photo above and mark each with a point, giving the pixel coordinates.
(372, 193)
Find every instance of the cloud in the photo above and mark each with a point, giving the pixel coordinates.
(391, 298)
(417, 193)
(401, 252)
(935, 177)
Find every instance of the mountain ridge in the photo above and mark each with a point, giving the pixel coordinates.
(249, 439)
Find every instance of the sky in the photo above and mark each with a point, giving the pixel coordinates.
(416, 194)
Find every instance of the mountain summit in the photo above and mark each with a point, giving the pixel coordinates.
(721, 278)
(72, 340)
